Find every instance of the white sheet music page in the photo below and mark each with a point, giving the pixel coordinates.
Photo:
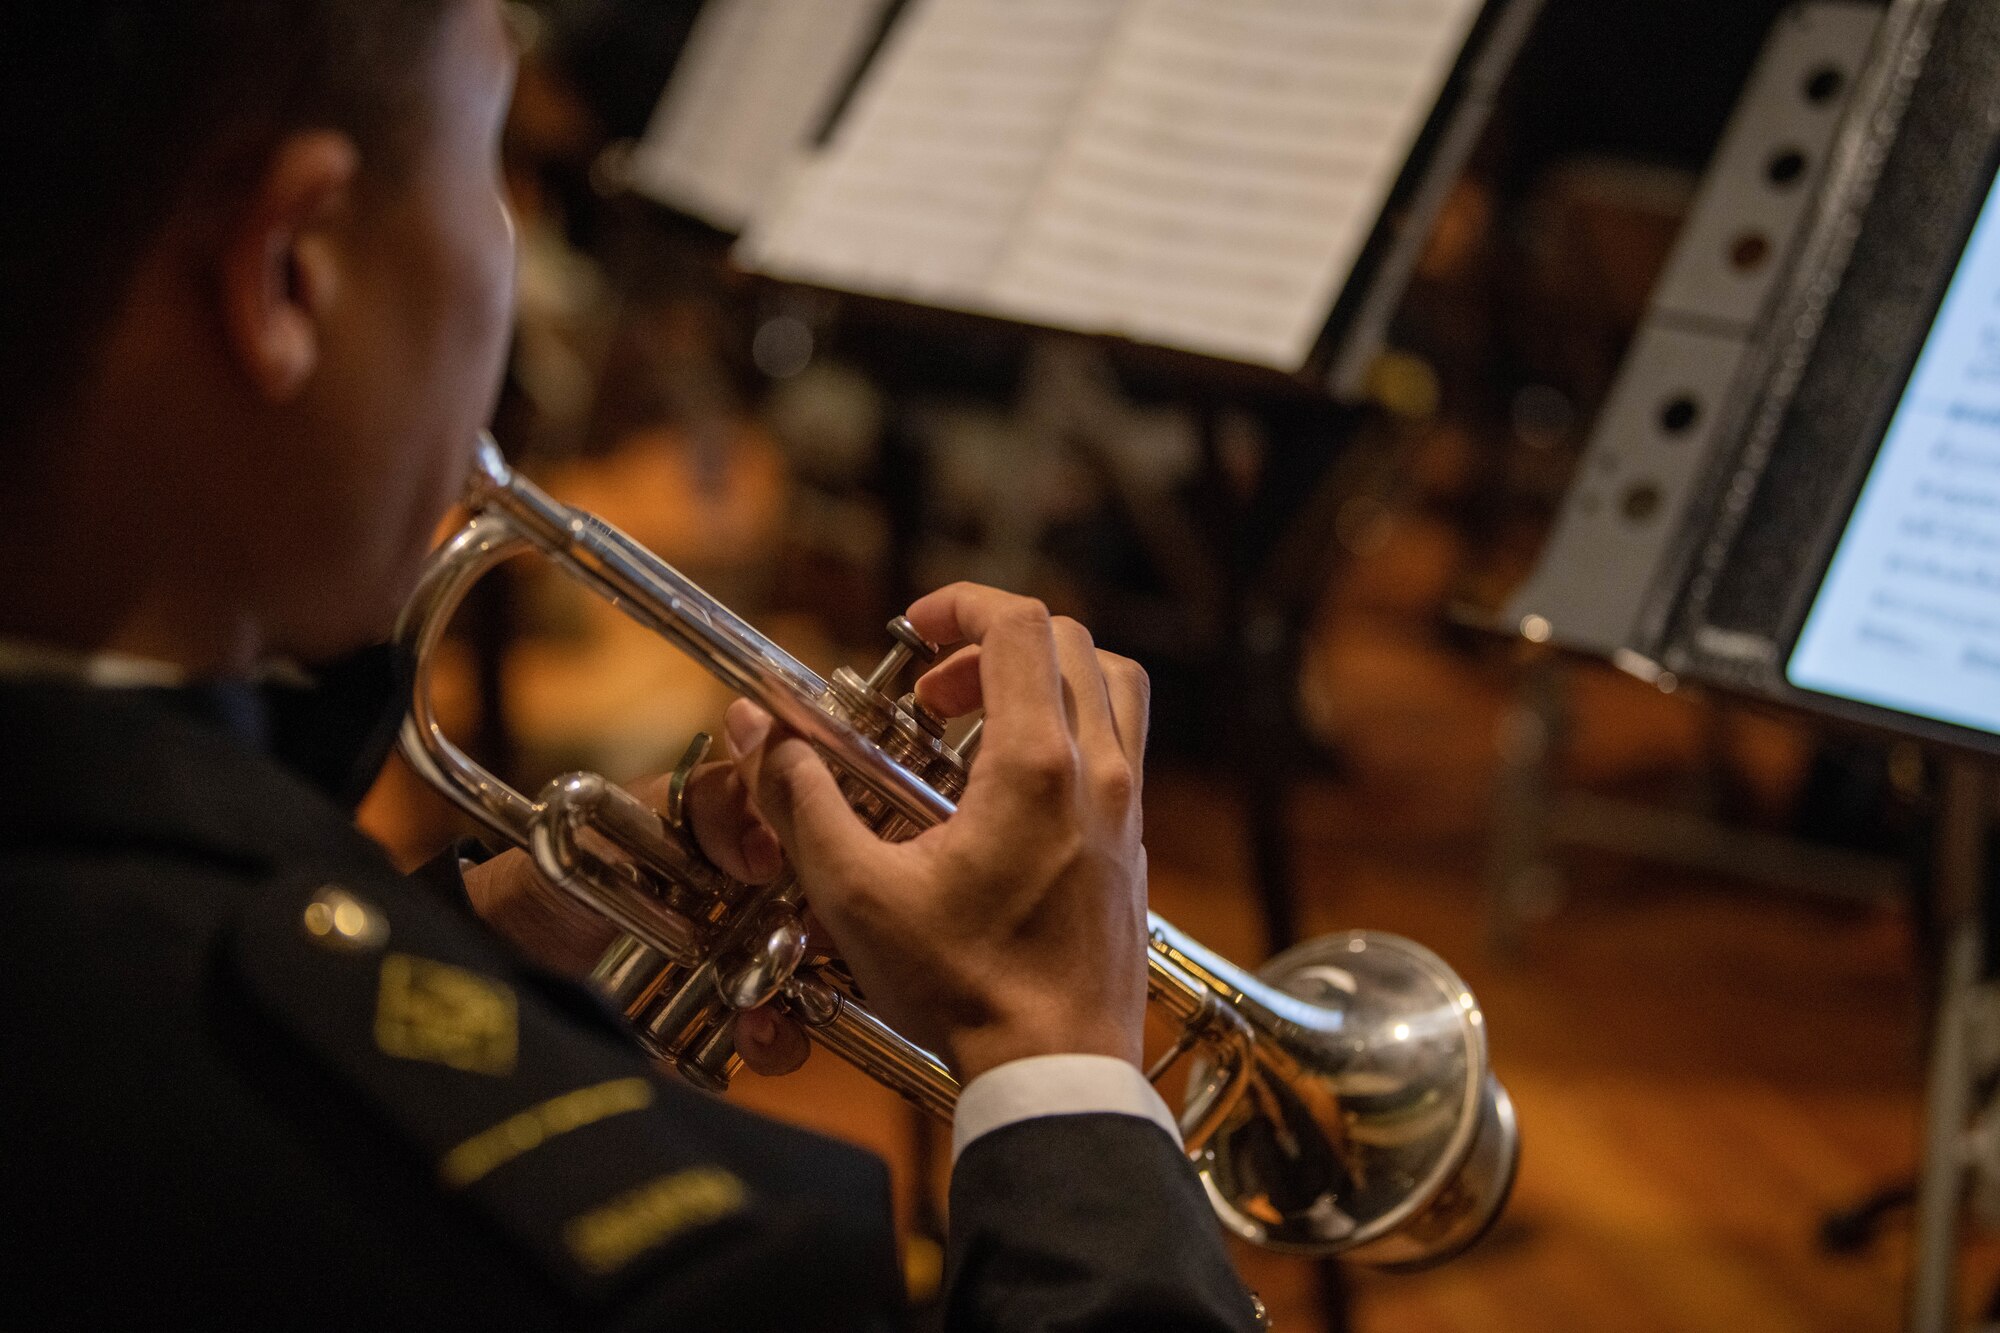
(1221, 180)
(753, 85)
(917, 194)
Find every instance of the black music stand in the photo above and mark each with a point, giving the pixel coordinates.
(1840, 415)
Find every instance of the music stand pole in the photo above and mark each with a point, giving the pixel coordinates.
(1961, 873)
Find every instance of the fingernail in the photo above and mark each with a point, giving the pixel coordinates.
(745, 726)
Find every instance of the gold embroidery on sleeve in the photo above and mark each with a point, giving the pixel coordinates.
(520, 1134)
(607, 1238)
(433, 1011)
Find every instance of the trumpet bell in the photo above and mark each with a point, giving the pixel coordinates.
(1373, 1127)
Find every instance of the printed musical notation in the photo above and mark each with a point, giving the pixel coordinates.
(1195, 175)
(917, 194)
(1218, 187)
(752, 86)
(1908, 616)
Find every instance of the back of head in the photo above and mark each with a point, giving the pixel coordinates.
(115, 113)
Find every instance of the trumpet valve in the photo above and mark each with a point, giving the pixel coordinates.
(861, 703)
(714, 1062)
(910, 646)
(968, 744)
(755, 971)
(928, 722)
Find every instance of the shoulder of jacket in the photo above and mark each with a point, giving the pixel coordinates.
(553, 1130)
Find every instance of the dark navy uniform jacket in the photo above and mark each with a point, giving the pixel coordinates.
(251, 1077)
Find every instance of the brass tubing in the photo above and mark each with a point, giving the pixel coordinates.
(580, 799)
(658, 596)
(1393, 1028)
(630, 973)
(848, 1030)
(1208, 1021)
(489, 541)
(598, 886)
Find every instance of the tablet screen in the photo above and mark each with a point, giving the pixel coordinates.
(1908, 615)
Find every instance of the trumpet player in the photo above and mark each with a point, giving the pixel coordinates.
(256, 298)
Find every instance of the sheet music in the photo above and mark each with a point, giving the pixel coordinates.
(753, 85)
(1191, 173)
(1222, 179)
(1908, 616)
(917, 195)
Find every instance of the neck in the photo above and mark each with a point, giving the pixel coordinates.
(201, 641)
(93, 568)
(161, 637)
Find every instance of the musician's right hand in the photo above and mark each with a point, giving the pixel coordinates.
(1018, 927)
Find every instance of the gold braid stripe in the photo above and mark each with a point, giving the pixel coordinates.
(529, 1130)
(608, 1238)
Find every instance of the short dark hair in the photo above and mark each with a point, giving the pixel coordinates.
(113, 112)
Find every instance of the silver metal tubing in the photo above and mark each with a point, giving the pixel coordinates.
(482, 546)
(618, 893)
(1339, 1099)
(847, 1029)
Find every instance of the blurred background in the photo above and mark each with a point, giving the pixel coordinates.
(1715, 1050)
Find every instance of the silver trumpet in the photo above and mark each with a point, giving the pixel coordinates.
(1339, 1101)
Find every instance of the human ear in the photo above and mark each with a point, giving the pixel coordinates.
(281, 263)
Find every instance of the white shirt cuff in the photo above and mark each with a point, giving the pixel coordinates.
(1055, 1085)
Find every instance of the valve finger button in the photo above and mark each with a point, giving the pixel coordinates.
(904, 633)
(932, 724)
(910, 646)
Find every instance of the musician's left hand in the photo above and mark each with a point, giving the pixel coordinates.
(559, 933)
